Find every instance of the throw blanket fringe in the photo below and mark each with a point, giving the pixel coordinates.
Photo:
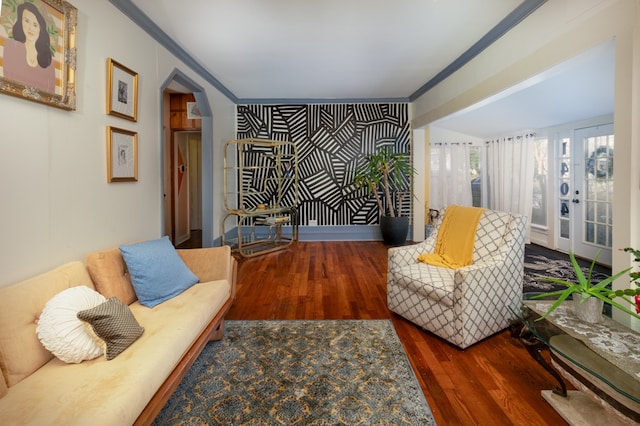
(456, 238)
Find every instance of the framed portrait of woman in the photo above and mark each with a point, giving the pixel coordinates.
(38, 59)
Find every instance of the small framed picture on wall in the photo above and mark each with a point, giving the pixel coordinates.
(122, 91)
(122, 155)
(193, 112)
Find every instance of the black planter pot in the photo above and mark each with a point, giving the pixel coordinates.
(394, 229)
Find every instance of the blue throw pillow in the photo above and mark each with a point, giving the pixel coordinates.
(157, 271)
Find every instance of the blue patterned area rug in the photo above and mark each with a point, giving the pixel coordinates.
(331, 372)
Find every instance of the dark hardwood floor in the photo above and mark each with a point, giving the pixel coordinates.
(494, 382)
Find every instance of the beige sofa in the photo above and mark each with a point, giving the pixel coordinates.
(37, 388)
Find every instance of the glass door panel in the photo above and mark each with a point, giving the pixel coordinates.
(585, 188)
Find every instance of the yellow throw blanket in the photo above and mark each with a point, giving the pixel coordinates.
(456, 237)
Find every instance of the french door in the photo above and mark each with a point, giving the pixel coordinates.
(585, 190)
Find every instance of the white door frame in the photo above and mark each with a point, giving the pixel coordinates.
(574, 189)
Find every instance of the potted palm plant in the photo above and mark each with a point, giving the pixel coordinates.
(588, 297)
(389, 173)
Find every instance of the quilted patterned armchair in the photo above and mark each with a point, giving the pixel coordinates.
(468, 304)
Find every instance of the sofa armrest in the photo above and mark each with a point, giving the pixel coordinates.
(478, 280)
(211, 264)
(498, 277)
(495, 282)
(408, 255)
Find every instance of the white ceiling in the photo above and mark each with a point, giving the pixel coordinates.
(580, 88)
(325, 49)
(372, 50)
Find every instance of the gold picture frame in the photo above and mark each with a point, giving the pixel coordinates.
(122, 155)
(48, 75)
(122, 91)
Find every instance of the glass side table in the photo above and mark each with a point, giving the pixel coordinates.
(601, 360)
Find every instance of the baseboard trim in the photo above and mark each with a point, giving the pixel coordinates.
(326, 233)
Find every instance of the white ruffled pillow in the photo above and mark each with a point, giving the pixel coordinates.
(61, 332)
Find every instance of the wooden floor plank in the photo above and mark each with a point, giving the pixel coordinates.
(493, 382)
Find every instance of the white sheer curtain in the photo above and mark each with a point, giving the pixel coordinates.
(510, 175)
(450, 176)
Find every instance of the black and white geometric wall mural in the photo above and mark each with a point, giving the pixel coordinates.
(332, 141)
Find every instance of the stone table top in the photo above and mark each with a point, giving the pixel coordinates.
(611, 340)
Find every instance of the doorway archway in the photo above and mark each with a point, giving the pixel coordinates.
(179, 82)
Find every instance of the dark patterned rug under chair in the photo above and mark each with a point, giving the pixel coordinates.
(331, 372)
(542, 262)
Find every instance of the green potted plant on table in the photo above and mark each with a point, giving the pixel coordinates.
(588, 297)
(389, 172)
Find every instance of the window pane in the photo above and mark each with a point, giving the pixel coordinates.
(589, 232)
(601, 237)
(476, 173)
(590, 210)
(598, 160)
(564, 228)
(539, 211)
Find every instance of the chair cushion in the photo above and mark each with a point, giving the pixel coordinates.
(430, 281)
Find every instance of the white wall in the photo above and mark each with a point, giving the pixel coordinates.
(56, 204)
(560, 30)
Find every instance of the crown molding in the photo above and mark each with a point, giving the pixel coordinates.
(511, 20)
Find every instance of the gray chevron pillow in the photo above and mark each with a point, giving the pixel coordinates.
(113, 325)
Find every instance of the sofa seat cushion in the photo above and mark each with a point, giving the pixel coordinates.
(116, 391)
(430, 281)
